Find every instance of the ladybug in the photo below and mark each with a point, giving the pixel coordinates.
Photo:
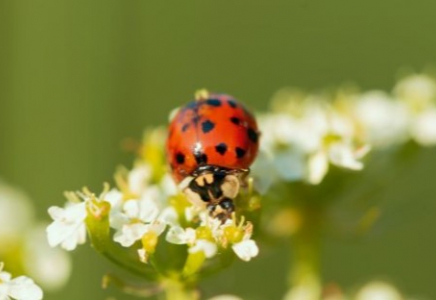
(212, 141)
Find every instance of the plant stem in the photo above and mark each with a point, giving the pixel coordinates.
(175, 290)
(304, 277)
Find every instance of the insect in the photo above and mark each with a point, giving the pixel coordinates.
(211, 144)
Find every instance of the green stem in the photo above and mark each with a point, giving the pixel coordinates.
(175, 290)
(304, 277)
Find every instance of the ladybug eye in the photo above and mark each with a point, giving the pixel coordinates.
(230, 186)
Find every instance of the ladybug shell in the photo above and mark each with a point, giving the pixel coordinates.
(214, 131)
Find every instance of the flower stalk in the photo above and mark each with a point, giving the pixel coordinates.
(304, 277)
(176, 290)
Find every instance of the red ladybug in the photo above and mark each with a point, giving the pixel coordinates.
(211, 144)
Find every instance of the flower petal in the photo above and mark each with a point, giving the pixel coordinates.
(130, 233)
(23, 288)
(246, 249)
(209, 248)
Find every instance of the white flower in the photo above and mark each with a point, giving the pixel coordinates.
(209, 249)
(50, 267)
(20, 288)
(384, 120)
(68, 228)
(423, 129)
(246, 249)
(341, 154)
(16, 213)
(168, 186)
(418, 91)
(137, 217)
(177, 235)
(301, 146)
(378, 291)
(114, 197)
(138, 178)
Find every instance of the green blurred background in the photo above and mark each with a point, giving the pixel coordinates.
(77, 77)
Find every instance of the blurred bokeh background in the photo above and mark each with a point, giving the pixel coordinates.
(78, 77)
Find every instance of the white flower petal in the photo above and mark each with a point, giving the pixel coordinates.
(132, 208)
(157, 227)
(16, 212)
(138, 178)
(290, 164)
(317, 167)
(178, 235)
(168, 185)
(424, 128)
(68, 225)
(343, 156)
(23, 288)
(378, 291)
(207, 247)
(384, 120)
(50, 267)
(115, 198)
(4, 289)
(169, 216)
(246, 250)
(149, 211)
(78, 237)
(130, 233)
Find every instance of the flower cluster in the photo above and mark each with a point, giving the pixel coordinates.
(147, 211)
(305, 133)
(20, 288)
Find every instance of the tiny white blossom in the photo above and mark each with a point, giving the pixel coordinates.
(50, 267)
(68, 228)
(137, 217)
(12, 225)
(209, 249)
(378, 291)
(20, 288)
(423, 129)
(168, 216)
(246, 249)
(178, 235)
(384, 120)
(317, 167)
(138, 178)
(418, 91)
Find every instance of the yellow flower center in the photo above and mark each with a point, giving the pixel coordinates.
(149, 241)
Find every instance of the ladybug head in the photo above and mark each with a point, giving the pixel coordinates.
(214, 189)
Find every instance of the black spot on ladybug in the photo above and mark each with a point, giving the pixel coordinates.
(235, 120)
(185, 127)
(252, 135)
(180, 158)
(213, 102)
(239, 152)
(221, 148)
(207, 126)
(200, 158)
(232, 103)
